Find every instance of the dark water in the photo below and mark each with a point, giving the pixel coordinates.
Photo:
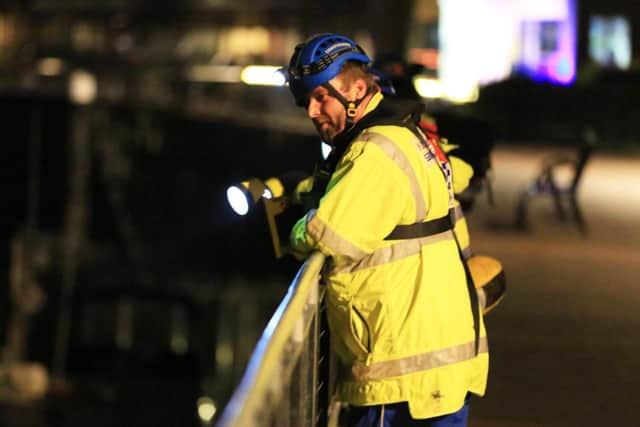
(172, 289)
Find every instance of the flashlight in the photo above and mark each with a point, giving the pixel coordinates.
(277, 195)
(243, 197)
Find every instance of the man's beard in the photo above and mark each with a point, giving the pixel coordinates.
(327, 130)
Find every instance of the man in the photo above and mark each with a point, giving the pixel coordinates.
(402, 311)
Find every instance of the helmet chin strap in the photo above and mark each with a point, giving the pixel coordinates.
(351, 107)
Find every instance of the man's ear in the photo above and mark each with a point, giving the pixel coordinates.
(360, 88)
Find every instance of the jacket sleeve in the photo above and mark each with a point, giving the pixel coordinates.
(300, 242)
(461, 170)
(367, 197)
(462, 174)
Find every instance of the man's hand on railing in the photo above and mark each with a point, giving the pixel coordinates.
(300, 243)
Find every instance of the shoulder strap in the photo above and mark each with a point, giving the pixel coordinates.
(421, 229)
(439, 225)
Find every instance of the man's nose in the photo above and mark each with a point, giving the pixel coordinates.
(313, 108)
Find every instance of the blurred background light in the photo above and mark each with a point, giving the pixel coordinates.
(484, 41)
(428, 87)
(50, 66)
(83, 87)
(224, 355)
(461, 32)
(242, 41)
(610, 41)
(215, 73)
(461, 92)
(7, 29)
(206, 409)
(262, 75)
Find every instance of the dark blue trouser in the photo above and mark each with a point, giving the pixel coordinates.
(397, 415)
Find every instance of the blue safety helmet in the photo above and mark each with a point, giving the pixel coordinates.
(319, 60)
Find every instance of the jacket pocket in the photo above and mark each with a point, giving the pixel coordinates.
(359, 330)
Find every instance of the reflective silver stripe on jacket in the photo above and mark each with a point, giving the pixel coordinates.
(320, 232)
(387, 254)
(466, 253)
(395, 252)
(458, 214)
(421, 362)
(397, 156)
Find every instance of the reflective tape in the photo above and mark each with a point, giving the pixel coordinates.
(458, 214)
(320, 232)
(466, 252)
(395, 252)
(398, 157)
(421, 362)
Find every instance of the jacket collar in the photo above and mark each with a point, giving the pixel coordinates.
(378, 111)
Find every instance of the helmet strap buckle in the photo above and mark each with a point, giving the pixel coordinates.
(351, 109)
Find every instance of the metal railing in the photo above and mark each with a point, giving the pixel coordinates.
(286, 382)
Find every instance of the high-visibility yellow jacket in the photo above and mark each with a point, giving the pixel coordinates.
(399, 310)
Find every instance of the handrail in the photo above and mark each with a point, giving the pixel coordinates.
(269, 371)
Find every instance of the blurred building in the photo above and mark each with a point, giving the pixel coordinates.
(162, 52)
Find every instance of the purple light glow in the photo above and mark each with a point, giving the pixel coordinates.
(556, 64)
